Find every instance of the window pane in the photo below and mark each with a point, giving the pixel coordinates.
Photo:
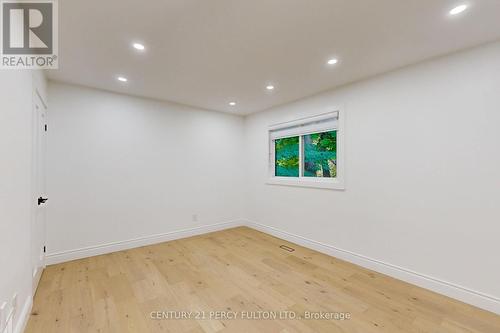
(320, 154)
(287, 157)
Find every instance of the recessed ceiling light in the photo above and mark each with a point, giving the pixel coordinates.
(138, 46)
(333, 61)
(270, 87)
(458, 9)
(122, 79)
(232, 103)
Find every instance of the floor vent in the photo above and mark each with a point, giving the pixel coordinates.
(287, 248)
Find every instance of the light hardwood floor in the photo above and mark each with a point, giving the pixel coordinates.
(238, 270)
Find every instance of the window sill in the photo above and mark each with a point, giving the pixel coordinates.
(331, 184)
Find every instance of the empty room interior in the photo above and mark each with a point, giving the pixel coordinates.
(250, 166)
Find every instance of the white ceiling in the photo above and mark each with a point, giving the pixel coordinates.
(206, 53)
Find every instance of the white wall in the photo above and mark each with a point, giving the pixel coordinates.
(16, 197)
(422, 171)
(122, 167)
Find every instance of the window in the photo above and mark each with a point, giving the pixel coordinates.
(287, 157)
(320, 154)
(307, 152)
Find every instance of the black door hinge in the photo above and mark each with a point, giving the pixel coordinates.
(45, 127)
(44, 249)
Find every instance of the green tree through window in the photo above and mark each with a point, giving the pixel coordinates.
(287, 157)
(320, 154)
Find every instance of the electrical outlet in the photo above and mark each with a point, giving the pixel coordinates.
(3, 316)
(9, 327)
(14, 304)
(195, 217)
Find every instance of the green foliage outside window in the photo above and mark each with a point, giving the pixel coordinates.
(320, 154)
(287, 157)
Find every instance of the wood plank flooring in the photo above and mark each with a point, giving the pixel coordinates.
(246, 272)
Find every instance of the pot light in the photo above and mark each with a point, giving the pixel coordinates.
(458, 9)
(232, 103)
(270, 87)
(332, 61)
(138, 46)
(122, 79)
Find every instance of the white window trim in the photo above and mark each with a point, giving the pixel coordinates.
(337, 183)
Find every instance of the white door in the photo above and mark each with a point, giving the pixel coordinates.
(40, 194)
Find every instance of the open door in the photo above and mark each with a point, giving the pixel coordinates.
(40, 188)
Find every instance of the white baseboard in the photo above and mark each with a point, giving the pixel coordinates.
(449, 289)
(24, 315)
(90, 251)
